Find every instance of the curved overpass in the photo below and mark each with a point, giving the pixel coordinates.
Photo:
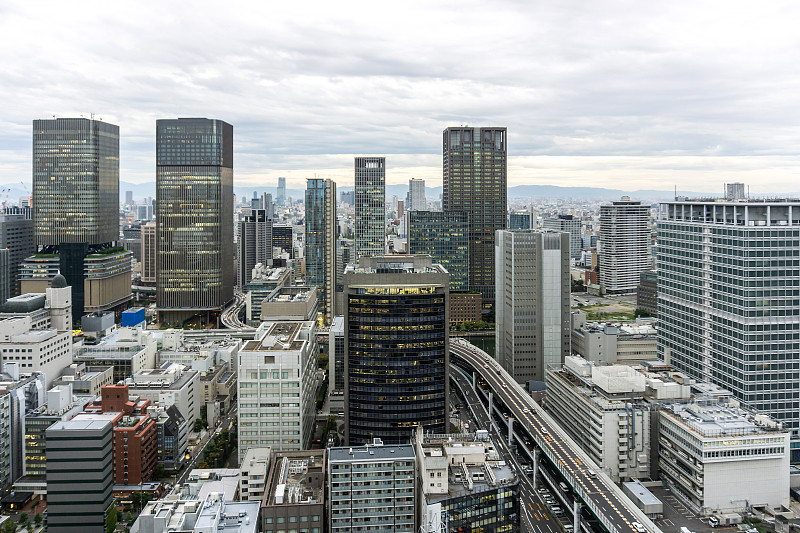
(230, 315)
(599, 494)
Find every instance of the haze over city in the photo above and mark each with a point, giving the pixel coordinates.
(608, 94)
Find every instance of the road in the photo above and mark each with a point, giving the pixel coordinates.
(230, 316)
(224, 424)
(534, 517)
(604, 499)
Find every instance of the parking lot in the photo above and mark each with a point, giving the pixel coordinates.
(677, 515)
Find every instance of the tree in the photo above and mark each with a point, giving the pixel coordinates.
(23, 519)
(198, 425)
(111, 519)
(37, 519)
(129, 518)
(159, 472)
(10, 526)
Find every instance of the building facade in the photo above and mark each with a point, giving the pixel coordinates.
(728, 299)
(294, 496)
(194, 218)
(396, 348)
(255, 244)
(475, 181)
(416, 195)
(445, 237)
(571, 225)
(354, 500)
(532, 315)
(370, 206)
(624, 242)
(519, 220)
(149, 253)
(647, 293)
(16, 234)
(320, 208)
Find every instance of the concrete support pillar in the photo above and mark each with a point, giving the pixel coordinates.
(510, 430)
(576, 521)
(535, 466)
(475, 381)
(491, 414)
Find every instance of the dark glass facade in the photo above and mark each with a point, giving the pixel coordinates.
(443, 236)
(194, 216)
(489, 511)
(282, 238)
(396, 335)
(474, 179)
(320, 206)
(75, 181)
(370, 205)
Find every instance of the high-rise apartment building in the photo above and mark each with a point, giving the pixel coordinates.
(79, 474)
(571, 225)
(396, 348)
(735, 191)
(624, 242)
(320, 207)
(370, 206)
(280, 197)
(16, 234)
(474, 178)
(194, 218)
(75, 195)
(255, 244)
(357, 503)
(728, 299)
(416, 195)
(445, 237)
(532, 309)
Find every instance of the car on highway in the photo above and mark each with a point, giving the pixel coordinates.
(544, 430)
(639, 527)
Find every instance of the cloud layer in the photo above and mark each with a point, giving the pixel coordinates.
(689, 93)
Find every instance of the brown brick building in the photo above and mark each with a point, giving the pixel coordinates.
(465, 307)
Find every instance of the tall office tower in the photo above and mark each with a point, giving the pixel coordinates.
(396, 348)
(728, 299)
(474, 176)
(416, 195)
(571, 225)
(355, 502)
(735, 191)
(129, 197)
(283, 239)
(532, 310)
(321, 241)
(16, 234)
(519, 220)
(370, 206)
(75, 196)
(280, 197)
(194, 218)
(79, 474)
(149, 252)
(255, 244)
(445, 237)
(624, 241)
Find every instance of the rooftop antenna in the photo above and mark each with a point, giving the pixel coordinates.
(676, 191)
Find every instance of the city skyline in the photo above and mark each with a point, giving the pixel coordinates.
(638, 94)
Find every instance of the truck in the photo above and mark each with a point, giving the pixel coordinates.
(729, 519)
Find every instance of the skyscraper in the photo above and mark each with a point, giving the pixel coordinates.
(571, 225)
(474, 178)
(321, 241)
(445, 237)
(16, 234)
(728, 299)
(416, 195)
(624, 240)
(149, 252)
(194, 218)
(280, 197)
(519, 220)
(533, 302)
(396, 348)
(370, 206)
(255, 244)
(75, 200)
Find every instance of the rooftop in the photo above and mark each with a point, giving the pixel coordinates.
(296, 478)
(370, 453)
(720, 420)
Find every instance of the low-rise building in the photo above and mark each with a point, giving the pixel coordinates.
(265, 280)
(127, 350)
(86, 379)
(209, 515)
(218, 384)
(172, 435)
(290, 303)
(199, 352)
(48, 351)
(169, 384)
(201, 482)
(253, 474)
(21, 394)
(718, 457)
(277, 387)
(613, 342)
(354, 502)
(294, 496)
(463, 480)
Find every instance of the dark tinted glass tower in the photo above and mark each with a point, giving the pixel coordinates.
(474, 179)
(320, 207)
(76, 207)
(370, 206)
(396, 348)
(443, 236)
(255, 244)
(194, 218)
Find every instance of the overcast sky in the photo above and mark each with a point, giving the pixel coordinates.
(626, 94)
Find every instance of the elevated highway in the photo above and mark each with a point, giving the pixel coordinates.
(598, 493)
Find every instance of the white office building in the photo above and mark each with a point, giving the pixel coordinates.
(277, 387)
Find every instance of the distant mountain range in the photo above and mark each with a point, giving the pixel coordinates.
(13, 192)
